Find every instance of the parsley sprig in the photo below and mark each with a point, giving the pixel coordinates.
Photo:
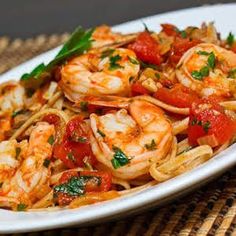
(79, 42)
(230, 39)
(119, 158)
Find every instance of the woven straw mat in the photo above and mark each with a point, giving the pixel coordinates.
(210, 210)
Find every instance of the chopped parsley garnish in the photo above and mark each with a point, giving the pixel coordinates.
(79, 42)
(199, 75)
(76, 185)
(185, 150)
(16, 113)
(183, 34)
(206, 126)
(119, 158)
(151, 146)
(21, 207)
(204, 53)
(157, 75)
(71, 156)
(51, 140)
(230, 39)
(107, 53)
(113, 62)
(133, 61)
(46, 163)
(83, 106)
(75, 137)
(232, 73)
(101, 133)
(211, 61)
(147, 65)
(18, 151)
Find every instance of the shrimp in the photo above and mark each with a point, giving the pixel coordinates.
(206, 68)
(103, 36)
(143, 135)
(99, 73)
(31, 177)
(8, 159)
(12, 96)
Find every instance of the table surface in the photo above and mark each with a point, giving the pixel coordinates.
(23, 19)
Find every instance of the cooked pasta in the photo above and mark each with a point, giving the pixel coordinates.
(113, 114)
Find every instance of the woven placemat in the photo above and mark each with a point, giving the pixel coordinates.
(210, 210)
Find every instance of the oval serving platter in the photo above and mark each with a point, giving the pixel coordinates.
(16, 222)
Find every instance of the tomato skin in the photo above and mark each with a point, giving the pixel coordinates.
(75, 146)
(209, 111)
(146, 49)
(169, 29)
(51, 119)
(178, 96)
(106, 181)
(67, 176)
(138, 89)
(180, 46)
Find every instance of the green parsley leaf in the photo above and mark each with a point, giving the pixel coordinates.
(211, 60)
(113, 62)
(230, 39)
(157, 75)
(71, 156)
(133, 61)
(21, 207)
(84, 106)
(51, 140)
(199, 75)
(204, 53)
(147, 65)
(232, 74)
(183, 34)
(75, 186)
(16, 113)
(107, 53)
(101, 133)
(151, 146)
(79, 42)
(119, 158)
(18, 151)
(46, 163)
(206, 126)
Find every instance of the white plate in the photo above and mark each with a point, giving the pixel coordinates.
(15, 222)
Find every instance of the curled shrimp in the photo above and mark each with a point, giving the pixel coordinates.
(8, 159)
(99, 73)
(143, 134)
(12, 96)
(31, 177)
(206, 68)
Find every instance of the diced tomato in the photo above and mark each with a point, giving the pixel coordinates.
(67, 176)
(146, 48)
(75, 148)
(51, 119)
(207, 117)
(169, 29)
(103, 185)
(178, 96)
(180, 46)
(138, 89)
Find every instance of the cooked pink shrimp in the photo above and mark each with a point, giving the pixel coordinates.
(141, 137)
(32, 174)
(104, 36)
(206, 68)
(12, 96)
(8, 159)
(99, 73)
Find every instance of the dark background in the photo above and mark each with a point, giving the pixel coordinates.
(27, 18)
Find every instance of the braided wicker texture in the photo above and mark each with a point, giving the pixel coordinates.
(210, 210)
